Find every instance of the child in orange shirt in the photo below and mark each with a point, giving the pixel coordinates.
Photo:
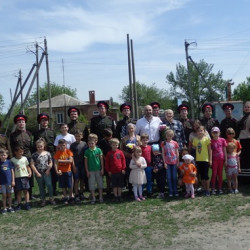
(63, 165)
(189, 173)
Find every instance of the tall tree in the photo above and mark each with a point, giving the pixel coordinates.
(212, 89)
(147, 94)
(242, 91)
(56, 90)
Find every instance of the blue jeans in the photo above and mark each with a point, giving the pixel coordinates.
(172, 179)
(148, 172)
(42, 181)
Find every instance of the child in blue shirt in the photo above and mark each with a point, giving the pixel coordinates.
(7, 180)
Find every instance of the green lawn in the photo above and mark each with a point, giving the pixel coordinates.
(151, 224)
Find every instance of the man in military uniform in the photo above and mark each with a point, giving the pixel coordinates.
(208, 121)
(186, 122)
(229, 121)
(49, 136)
(22, 137)
(102, 121)
(75, 125)
(121, 127)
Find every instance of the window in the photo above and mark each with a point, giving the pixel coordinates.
(59, 118)
(95, 112)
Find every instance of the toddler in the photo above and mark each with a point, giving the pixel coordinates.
(137, 175)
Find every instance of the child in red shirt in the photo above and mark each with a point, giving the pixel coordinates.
(115, 165)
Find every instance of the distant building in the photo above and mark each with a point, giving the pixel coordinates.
(61, 103)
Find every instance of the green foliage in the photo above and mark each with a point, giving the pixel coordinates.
(147, 94)
(83, 118)
(212, 89)
(56, 90)
(242, 91)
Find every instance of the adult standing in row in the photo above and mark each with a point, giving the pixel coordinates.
(122, 125)
(49, 136)
(176, 126)
(22, 137)
(149, 125)
(229, 121)
(102, 121)
(244, 136)
(207, 120)
(75, 125)
(186, 122)
(156, 108)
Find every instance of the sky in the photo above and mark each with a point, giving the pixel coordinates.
(87, 41)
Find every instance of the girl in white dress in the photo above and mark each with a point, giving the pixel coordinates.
(137, 175)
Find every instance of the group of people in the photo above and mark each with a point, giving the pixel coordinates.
(132, 154)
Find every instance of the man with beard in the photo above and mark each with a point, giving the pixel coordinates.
(156, 108)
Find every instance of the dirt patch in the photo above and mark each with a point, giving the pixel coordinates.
(229, 235)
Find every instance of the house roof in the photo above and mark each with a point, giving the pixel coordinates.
(60, 101)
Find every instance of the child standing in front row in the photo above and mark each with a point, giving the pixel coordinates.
(137, 175)
(159, 169)
(219, 157)
(146, 154)
(115, 165)
(230, 138)
(188, 171)
(41, 164)
(94, 167)
(203, 159)
(232, 168)
(22, 175)
(7, 180)
(64, 166)
(170, 155)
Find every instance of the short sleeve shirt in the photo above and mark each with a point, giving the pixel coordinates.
(5, 172)
(20, 167)
(93, 158)
(63, 155)
(217, 148)
(201, 148)
(170, 151)
(41, 161)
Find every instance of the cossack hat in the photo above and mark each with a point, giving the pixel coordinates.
(125, 106)
(207, 105)
(42, 116)
(102, 104)
(155, 105)
(73, 109)
(20, 117)
(183, 107)
(228, 105)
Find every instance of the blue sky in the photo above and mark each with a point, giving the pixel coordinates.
(90, 37)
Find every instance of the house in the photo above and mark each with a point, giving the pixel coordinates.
(61, 103)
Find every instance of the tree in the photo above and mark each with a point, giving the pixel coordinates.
(242, 91)
(147, 94)
(1, 103)
(212, 89)
(56, 90)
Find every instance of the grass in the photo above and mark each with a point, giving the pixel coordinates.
(153, 223)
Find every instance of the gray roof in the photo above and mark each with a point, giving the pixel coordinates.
(60, 101)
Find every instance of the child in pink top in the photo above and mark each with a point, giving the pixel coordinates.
(170, 155)
(219, 157)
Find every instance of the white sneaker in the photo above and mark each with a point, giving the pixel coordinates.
(236, 191)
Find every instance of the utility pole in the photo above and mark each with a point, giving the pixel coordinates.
(188, 77)
(131, 92)
(48, 80)
(229, 90)
(37, 83)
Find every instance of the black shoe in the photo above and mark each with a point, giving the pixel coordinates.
(18, 207)
(27, 206)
